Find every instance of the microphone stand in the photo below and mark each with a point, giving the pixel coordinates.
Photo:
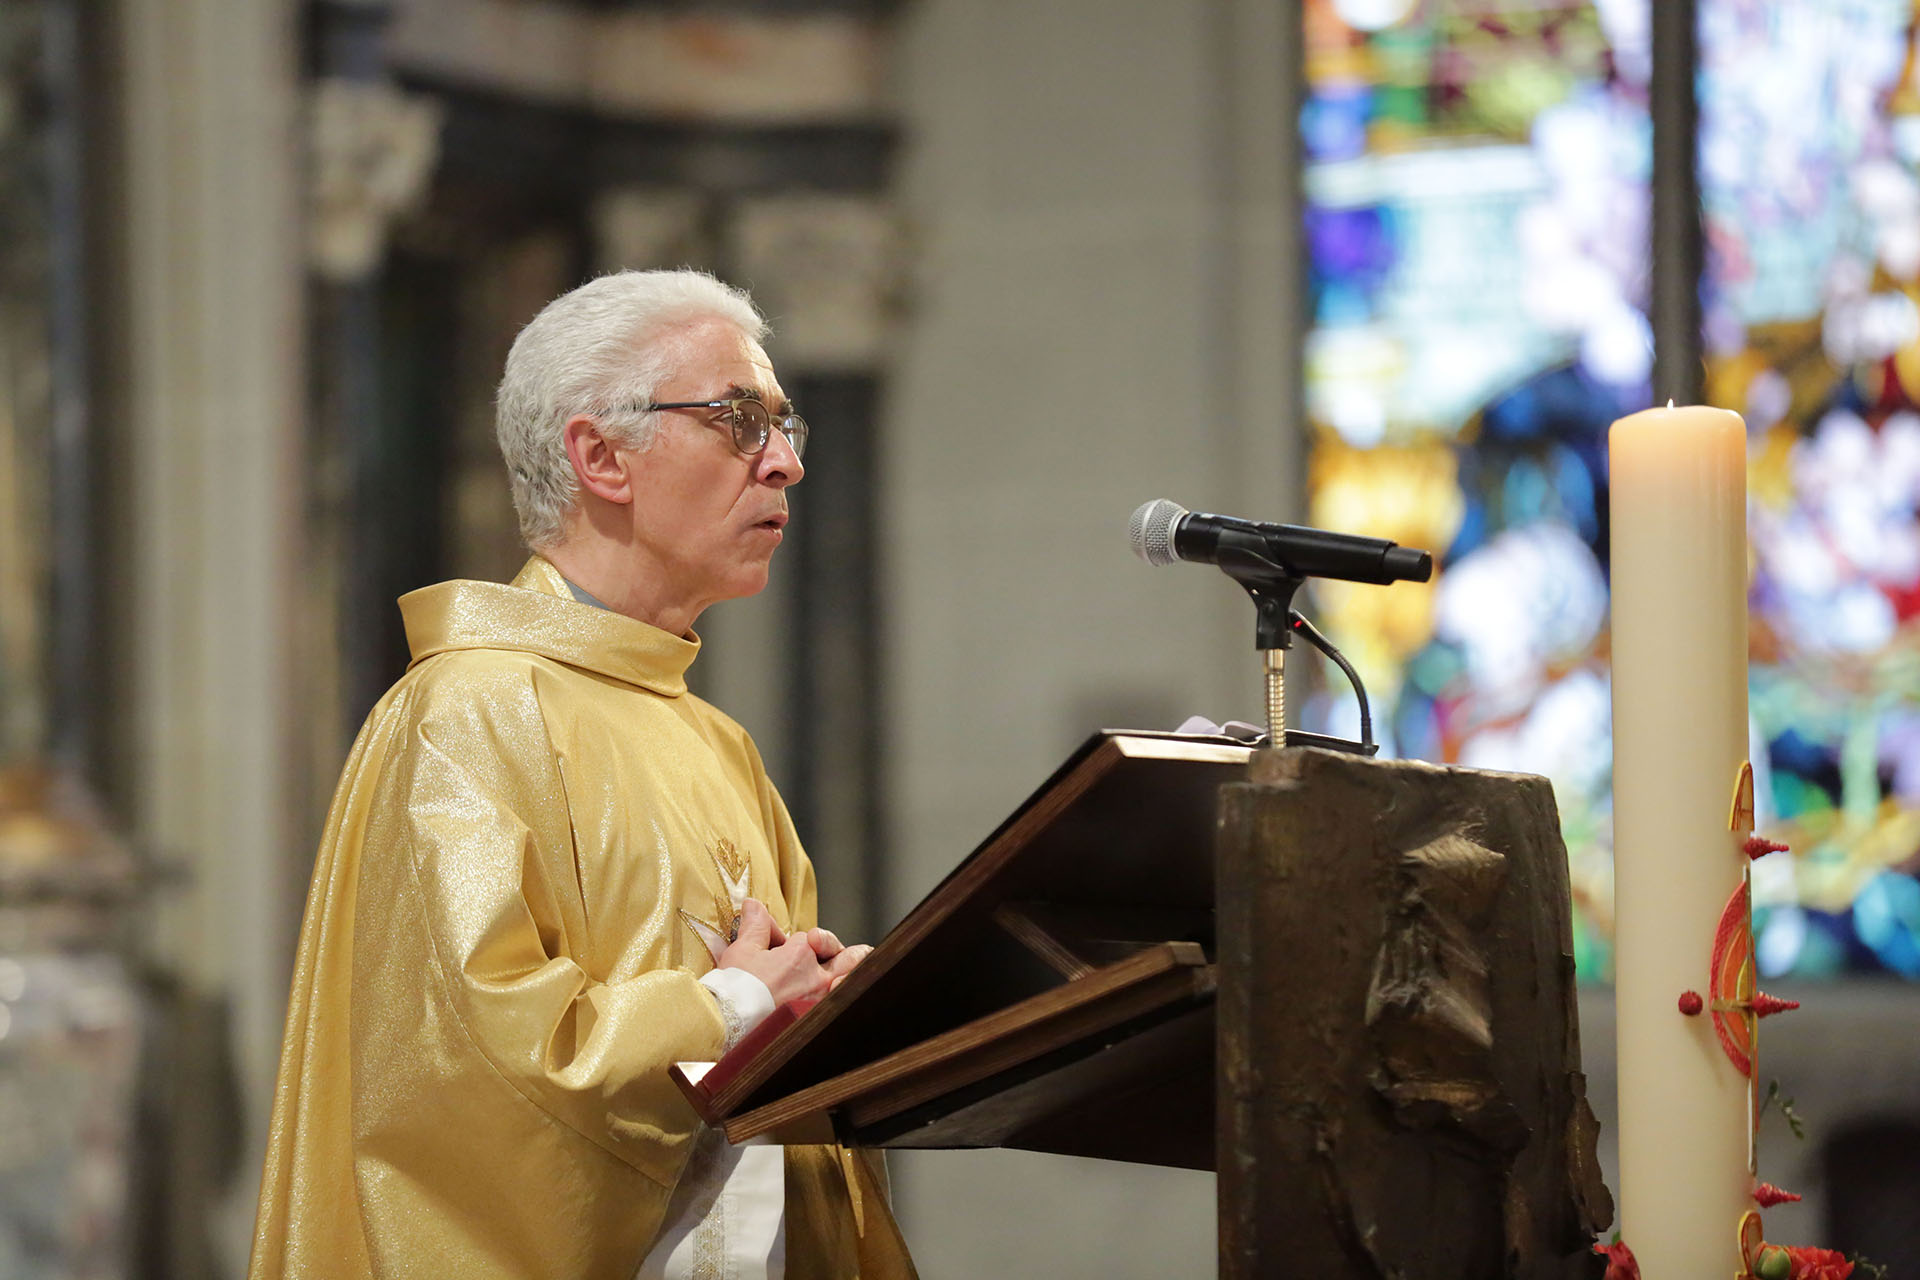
(1271, 587)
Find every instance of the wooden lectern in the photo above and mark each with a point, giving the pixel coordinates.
(1373, 1039)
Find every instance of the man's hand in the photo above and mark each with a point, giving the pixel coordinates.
(805, 965)
(788, 965)
(836, 958)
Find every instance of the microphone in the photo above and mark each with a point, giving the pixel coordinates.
(1163, 532)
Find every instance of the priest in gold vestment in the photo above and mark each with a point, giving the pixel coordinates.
(550, 871)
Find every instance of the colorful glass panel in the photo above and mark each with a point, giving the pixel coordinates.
(1810, 181)
(1476, 224)
(1477, 221)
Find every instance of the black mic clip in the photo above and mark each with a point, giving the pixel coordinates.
(1272, 586)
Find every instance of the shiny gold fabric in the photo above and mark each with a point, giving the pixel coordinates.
(500, 959)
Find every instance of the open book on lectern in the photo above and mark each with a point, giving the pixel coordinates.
(1053, 993)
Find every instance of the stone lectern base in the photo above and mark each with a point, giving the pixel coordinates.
(1398, 1080)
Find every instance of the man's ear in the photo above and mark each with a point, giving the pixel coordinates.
(597, 464)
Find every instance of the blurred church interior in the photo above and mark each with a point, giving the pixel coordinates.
(1028, 265)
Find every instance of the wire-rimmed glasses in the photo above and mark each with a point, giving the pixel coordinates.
(752, 423)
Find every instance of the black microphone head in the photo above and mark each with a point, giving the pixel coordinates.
(1151, 530)
(1406, 564)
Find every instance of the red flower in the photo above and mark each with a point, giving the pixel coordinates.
(1818, 1264)
(1620, 1263)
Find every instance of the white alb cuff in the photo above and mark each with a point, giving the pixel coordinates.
(744, 1000)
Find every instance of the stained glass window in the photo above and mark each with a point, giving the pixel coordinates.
(1477, 226)
(1810, 181)
(1476, 222)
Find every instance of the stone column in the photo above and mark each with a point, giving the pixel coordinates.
(211, 368)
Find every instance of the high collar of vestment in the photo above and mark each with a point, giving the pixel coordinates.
(536, 613)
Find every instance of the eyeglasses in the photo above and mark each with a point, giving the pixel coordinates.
(752, 423)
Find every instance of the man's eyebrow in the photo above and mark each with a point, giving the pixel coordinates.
(737, 392)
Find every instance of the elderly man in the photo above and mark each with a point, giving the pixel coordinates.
(550, 871)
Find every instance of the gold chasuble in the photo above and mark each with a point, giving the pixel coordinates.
(536, 831)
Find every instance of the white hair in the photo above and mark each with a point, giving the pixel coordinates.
(596, 352)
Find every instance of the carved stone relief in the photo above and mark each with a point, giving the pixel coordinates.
(733, 67)
(372, 151)
(827, 269)
(642, 228)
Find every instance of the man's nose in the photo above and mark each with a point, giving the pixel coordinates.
(779, 464)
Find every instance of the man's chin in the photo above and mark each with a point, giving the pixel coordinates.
(749, 582)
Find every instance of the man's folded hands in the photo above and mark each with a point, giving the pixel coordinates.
(797, 966)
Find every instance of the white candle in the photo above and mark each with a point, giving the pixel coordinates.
(1679, 555)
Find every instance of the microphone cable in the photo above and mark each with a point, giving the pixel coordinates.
(1298, 621)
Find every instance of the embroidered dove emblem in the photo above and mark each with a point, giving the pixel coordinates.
(736, 874)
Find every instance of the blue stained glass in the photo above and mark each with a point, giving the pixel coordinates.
(1333, 123)
(1526, 495)
(1473, 529)
(1779, 936)
(1355, 245)
(1573, 483)
(1825, 947)
(1886, 913)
